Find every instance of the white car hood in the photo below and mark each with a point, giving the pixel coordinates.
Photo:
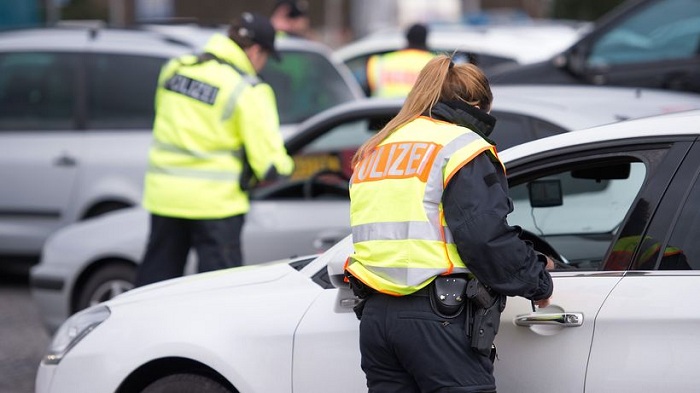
(211, 281)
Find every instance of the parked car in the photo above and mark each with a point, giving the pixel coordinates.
(645, 43)
(76, 110)
(619, 322)
(487, 46)
(90, 262)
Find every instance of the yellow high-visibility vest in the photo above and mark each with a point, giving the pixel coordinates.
(208, 113)
(393, 74)
(400, 236)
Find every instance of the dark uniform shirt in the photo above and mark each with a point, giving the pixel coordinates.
(476, 205)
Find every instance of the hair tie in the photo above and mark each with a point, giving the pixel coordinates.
(452, 64)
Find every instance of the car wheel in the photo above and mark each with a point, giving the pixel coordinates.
(185, 383)
(106, 283)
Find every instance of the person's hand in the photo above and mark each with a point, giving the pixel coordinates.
(542, 303)
(550, 264)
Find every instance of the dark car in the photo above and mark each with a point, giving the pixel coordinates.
(645, 43)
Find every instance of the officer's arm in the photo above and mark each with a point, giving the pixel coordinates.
(258, 122)
(476, 205)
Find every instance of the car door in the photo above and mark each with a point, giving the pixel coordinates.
(656, 45)
(646, 333)
(39, 145)
(602, 187)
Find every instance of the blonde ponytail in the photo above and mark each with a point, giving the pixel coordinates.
(440, 79)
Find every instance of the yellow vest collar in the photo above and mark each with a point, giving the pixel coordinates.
(225, 49)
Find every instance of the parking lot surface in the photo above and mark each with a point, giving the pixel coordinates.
(22, 338)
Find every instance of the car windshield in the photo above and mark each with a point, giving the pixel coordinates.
(305, 83)
(665, 31)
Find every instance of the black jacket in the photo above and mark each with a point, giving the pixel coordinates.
(476, 204)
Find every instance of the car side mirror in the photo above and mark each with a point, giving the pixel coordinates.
(339, 281)
(545, 193)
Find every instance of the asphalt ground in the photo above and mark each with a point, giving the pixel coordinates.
(23, 339)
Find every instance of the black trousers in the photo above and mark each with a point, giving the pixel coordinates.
(216, 241)
(408, 348)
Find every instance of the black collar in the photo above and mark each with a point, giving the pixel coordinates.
(465, 115)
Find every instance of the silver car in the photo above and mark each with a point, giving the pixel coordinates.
(76, 110)
(90, 262)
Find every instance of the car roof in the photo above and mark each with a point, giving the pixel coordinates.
(90, 39)
(679, 123)
(199, 35)
(146, 38)
(525, 43)
(569, 107)
(580, 106)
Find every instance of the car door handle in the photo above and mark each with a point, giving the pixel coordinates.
(65, 160)
(565, 319)
(349, 302)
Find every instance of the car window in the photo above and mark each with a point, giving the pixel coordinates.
(121, 89)
(305, 83)
(513, 129)
(666, 30)
(325, 160)
(37, 91)
(682, 252)
(595, 199)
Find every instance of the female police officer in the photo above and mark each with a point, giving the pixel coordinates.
(429, 200)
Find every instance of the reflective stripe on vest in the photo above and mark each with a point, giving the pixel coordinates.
(246, 81)
(238, 153)
(401, 239)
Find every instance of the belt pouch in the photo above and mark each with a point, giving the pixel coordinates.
(447, 295)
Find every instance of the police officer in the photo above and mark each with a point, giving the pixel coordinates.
(215, 122)
(291, 18)
(429, 200)
(392, 74)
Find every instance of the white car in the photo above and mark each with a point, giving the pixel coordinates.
(487, 46)
(76, 114)
(90, 262)
(626, 321)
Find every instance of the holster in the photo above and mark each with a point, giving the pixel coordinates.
(486, 316)
(360, 290)
(447, 295)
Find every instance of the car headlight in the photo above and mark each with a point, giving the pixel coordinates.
(73, 330)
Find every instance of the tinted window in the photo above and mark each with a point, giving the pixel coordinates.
(305, 83)
(582, 227)
(37, 91)
(668, 29)
(513, 129)
(683, 249)
(121, 89)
